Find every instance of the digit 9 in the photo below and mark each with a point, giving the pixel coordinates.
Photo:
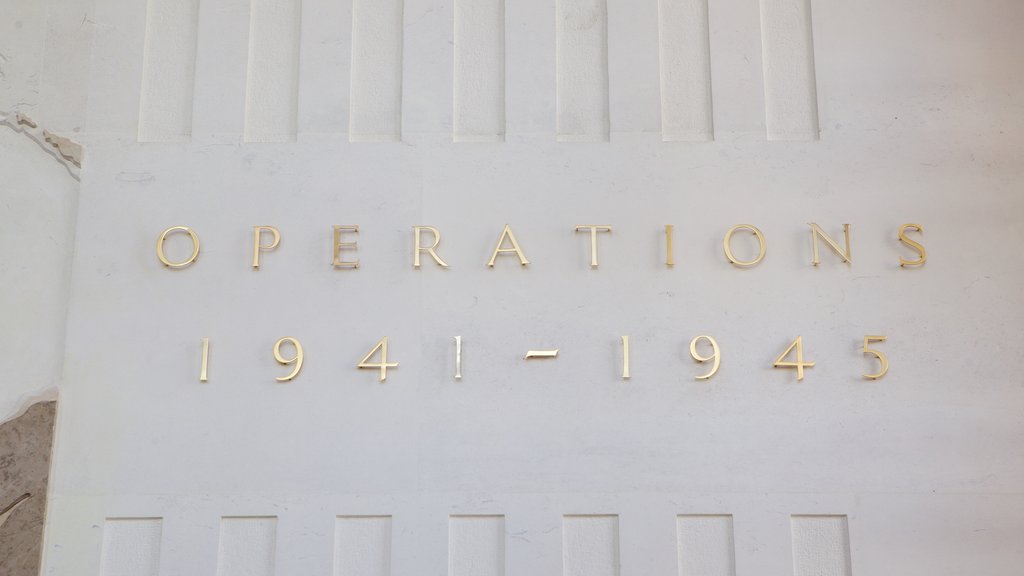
(716, 355)
(296, 360)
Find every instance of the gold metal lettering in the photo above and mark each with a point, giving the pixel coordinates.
(669, 261)
(507, 233)
(296, 360)
(541, 354)
(382, 345)
(816, 231)
(257, 236)
(727, 244)
(594, 229)
(160, 246)
(339, 246)
(716, 355)
(912, 244)
(458, 357)
(206, 359)
(625, 358)
(883, 361)
(780, 362)
(417, 247)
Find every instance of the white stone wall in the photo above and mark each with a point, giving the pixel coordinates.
(305, 116)
(44, 59)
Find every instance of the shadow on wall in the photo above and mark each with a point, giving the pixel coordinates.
(26, 443)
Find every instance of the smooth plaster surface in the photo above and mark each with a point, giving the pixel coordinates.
(919, 120)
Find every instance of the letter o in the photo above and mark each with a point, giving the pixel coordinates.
(160, 247)
(728, 248)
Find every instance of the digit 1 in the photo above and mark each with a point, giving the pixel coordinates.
(206, 359)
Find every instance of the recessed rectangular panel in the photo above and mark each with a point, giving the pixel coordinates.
(685, 61)
(790, 94)
(362, 546)
(375, 112)
(479, 72)
(476, 546)
(821, 546)
(168, 70)
(272, 85)
(324, 67)
(581, 48)
(530, 97)
(590, 545)
(705, 545)
(131, 547)
(247, 546)
(734, 34)
(222, 55)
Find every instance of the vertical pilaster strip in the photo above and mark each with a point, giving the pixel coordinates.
(581, 54)
(248, 546)
(362, 546)
(790, 93)
(375, 112)
(590, 545)
(168, 71)
(272, 81)
(685, 60)
(476, 546)
(821, 546)
(705, 545)
(131, 547)
(479, 71)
